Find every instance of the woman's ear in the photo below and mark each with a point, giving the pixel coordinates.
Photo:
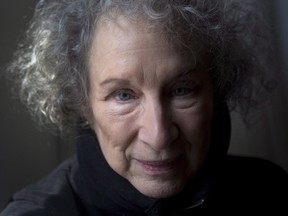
(86, 116)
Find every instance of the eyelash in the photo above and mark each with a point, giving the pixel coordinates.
(185, 91)
(188, 87)
(127, 92)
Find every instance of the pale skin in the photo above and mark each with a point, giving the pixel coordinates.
(151, 107)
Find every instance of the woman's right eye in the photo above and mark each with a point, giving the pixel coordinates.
(124, 95)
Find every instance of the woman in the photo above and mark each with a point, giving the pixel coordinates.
(147, 85)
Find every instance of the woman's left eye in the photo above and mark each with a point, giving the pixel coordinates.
(181, 91)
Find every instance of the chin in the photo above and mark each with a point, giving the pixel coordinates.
(160, 190)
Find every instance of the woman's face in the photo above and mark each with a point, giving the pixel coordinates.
(151, 107)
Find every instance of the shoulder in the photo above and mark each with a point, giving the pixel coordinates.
(49, 196)
(250, 183)
(253, 169)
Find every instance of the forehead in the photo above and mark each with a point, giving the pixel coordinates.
(119, 32)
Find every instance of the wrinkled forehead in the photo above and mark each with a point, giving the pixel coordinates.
(178, 39)
(118, 34)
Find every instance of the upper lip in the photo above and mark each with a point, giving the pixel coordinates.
(159, 162)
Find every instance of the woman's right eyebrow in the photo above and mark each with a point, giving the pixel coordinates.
(110, 81)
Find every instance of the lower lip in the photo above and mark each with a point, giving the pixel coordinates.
(158, 167)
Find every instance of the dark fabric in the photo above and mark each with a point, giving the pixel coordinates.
(53, 195)
(249, 185)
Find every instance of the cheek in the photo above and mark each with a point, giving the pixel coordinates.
(114, 141)
(108, 130)
(197, 121)
(113, 131)
(197, 137)
(197, 131)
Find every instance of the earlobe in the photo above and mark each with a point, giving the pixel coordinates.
(86, 117)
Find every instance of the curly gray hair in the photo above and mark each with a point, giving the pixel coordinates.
(50, 66)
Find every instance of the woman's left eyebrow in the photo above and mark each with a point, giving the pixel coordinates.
(186, 73)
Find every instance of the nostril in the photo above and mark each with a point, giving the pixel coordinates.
(158, 137)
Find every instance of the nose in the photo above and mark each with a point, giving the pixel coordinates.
(157, 128)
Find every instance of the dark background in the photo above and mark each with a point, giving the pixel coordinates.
(28, 153)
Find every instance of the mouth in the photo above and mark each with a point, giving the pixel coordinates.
(160, 166)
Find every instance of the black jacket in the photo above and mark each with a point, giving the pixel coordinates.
(85, 185)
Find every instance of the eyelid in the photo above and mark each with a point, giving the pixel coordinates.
(190, 86)
(116, 93)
